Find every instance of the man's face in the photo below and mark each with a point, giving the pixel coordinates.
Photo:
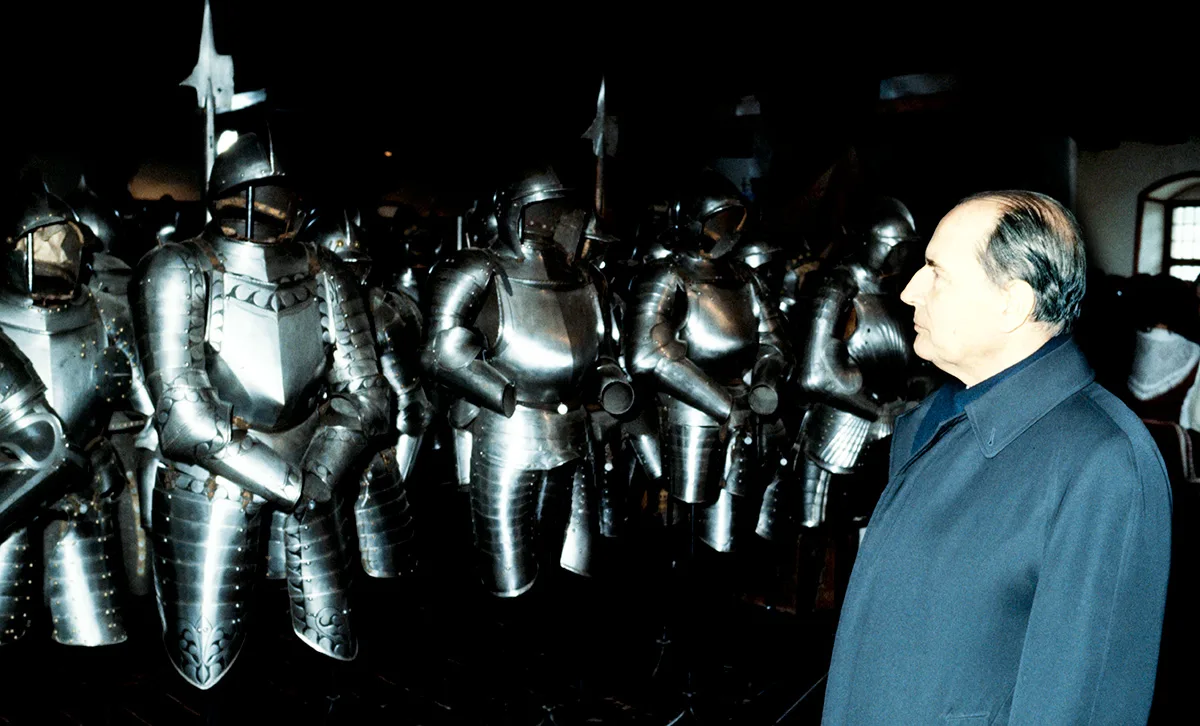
(956, 308)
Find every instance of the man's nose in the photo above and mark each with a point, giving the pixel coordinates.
(910, 293)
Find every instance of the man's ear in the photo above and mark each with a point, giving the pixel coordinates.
(1019, 303)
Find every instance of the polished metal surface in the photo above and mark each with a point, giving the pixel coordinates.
(80, 345)
(32, 439)
(700, 328)
(583, 529)
(717, 523)
(276, 567)
(814, 493)
(834, 438)
(545, 338)
(249, 160)
(318, 580)
(262, 363)
(383, 519)
(273, 383)
(523, 331)
(20, 586)
(205, 571)
(880, 343)
(69, 349)
(82, 565)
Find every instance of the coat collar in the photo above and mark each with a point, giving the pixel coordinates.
(1016, 403)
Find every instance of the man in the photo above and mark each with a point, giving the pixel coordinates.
(1015, 568)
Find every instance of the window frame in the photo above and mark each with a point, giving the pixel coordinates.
(1169, 207)
(1157, 202)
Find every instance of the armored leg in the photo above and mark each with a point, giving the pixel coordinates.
(582, 523)
(82, 555)
(815, 494)
(276, 565)
(504, 508)
(135, 546)
(384, 523)
(694, 455)
(719, 523)
(318, 582)
(18, 586)
(774, 516)
(205, 570)
(642, 435)
(607, 470)
(463, 440)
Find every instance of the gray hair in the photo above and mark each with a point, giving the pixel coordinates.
(1037, 240)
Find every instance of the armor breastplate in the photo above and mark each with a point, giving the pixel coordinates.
(68, 347)
(721, 329)
(879, 344)
(543, 334)
(266, 353)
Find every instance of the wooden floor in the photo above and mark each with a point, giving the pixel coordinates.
(435, 650)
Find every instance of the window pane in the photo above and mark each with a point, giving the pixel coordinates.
(1185, 272)
(1185, 232)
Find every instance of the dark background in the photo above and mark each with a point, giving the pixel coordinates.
(462, 99)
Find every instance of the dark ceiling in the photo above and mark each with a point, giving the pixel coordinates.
(455, 96)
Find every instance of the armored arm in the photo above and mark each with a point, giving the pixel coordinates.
(32, 445)
(774, 362)
(652, 348)
(132, 406)
(194, 425)
(356, 409)
(828, 372)
(398, 336)
(452, 354)
(613, 389)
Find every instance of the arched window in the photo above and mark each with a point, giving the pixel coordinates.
(1168, 230)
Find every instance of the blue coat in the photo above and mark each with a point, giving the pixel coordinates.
(1015, 567)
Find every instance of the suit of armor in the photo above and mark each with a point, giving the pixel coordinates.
(381, 511)
(702, 323)
(856, 357)
(133, 437)
(80, 352)
(620, 445)
(258, 354)
(522, 332)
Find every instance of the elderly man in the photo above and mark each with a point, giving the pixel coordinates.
(1015, 568)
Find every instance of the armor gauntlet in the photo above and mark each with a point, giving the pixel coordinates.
(31, 439)
(452, 355)
(398, 330)
(356, 410)
(195, 426)
(773, 365)
(614, 390)
(653, 349)
(829, 373)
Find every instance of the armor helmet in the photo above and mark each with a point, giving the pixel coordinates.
(886, 225)
(44, 247)
(100, 221)
(250, 193)
(766, 259)
(710, 215)
(481, 226)
(338, 231)
(533, 207)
